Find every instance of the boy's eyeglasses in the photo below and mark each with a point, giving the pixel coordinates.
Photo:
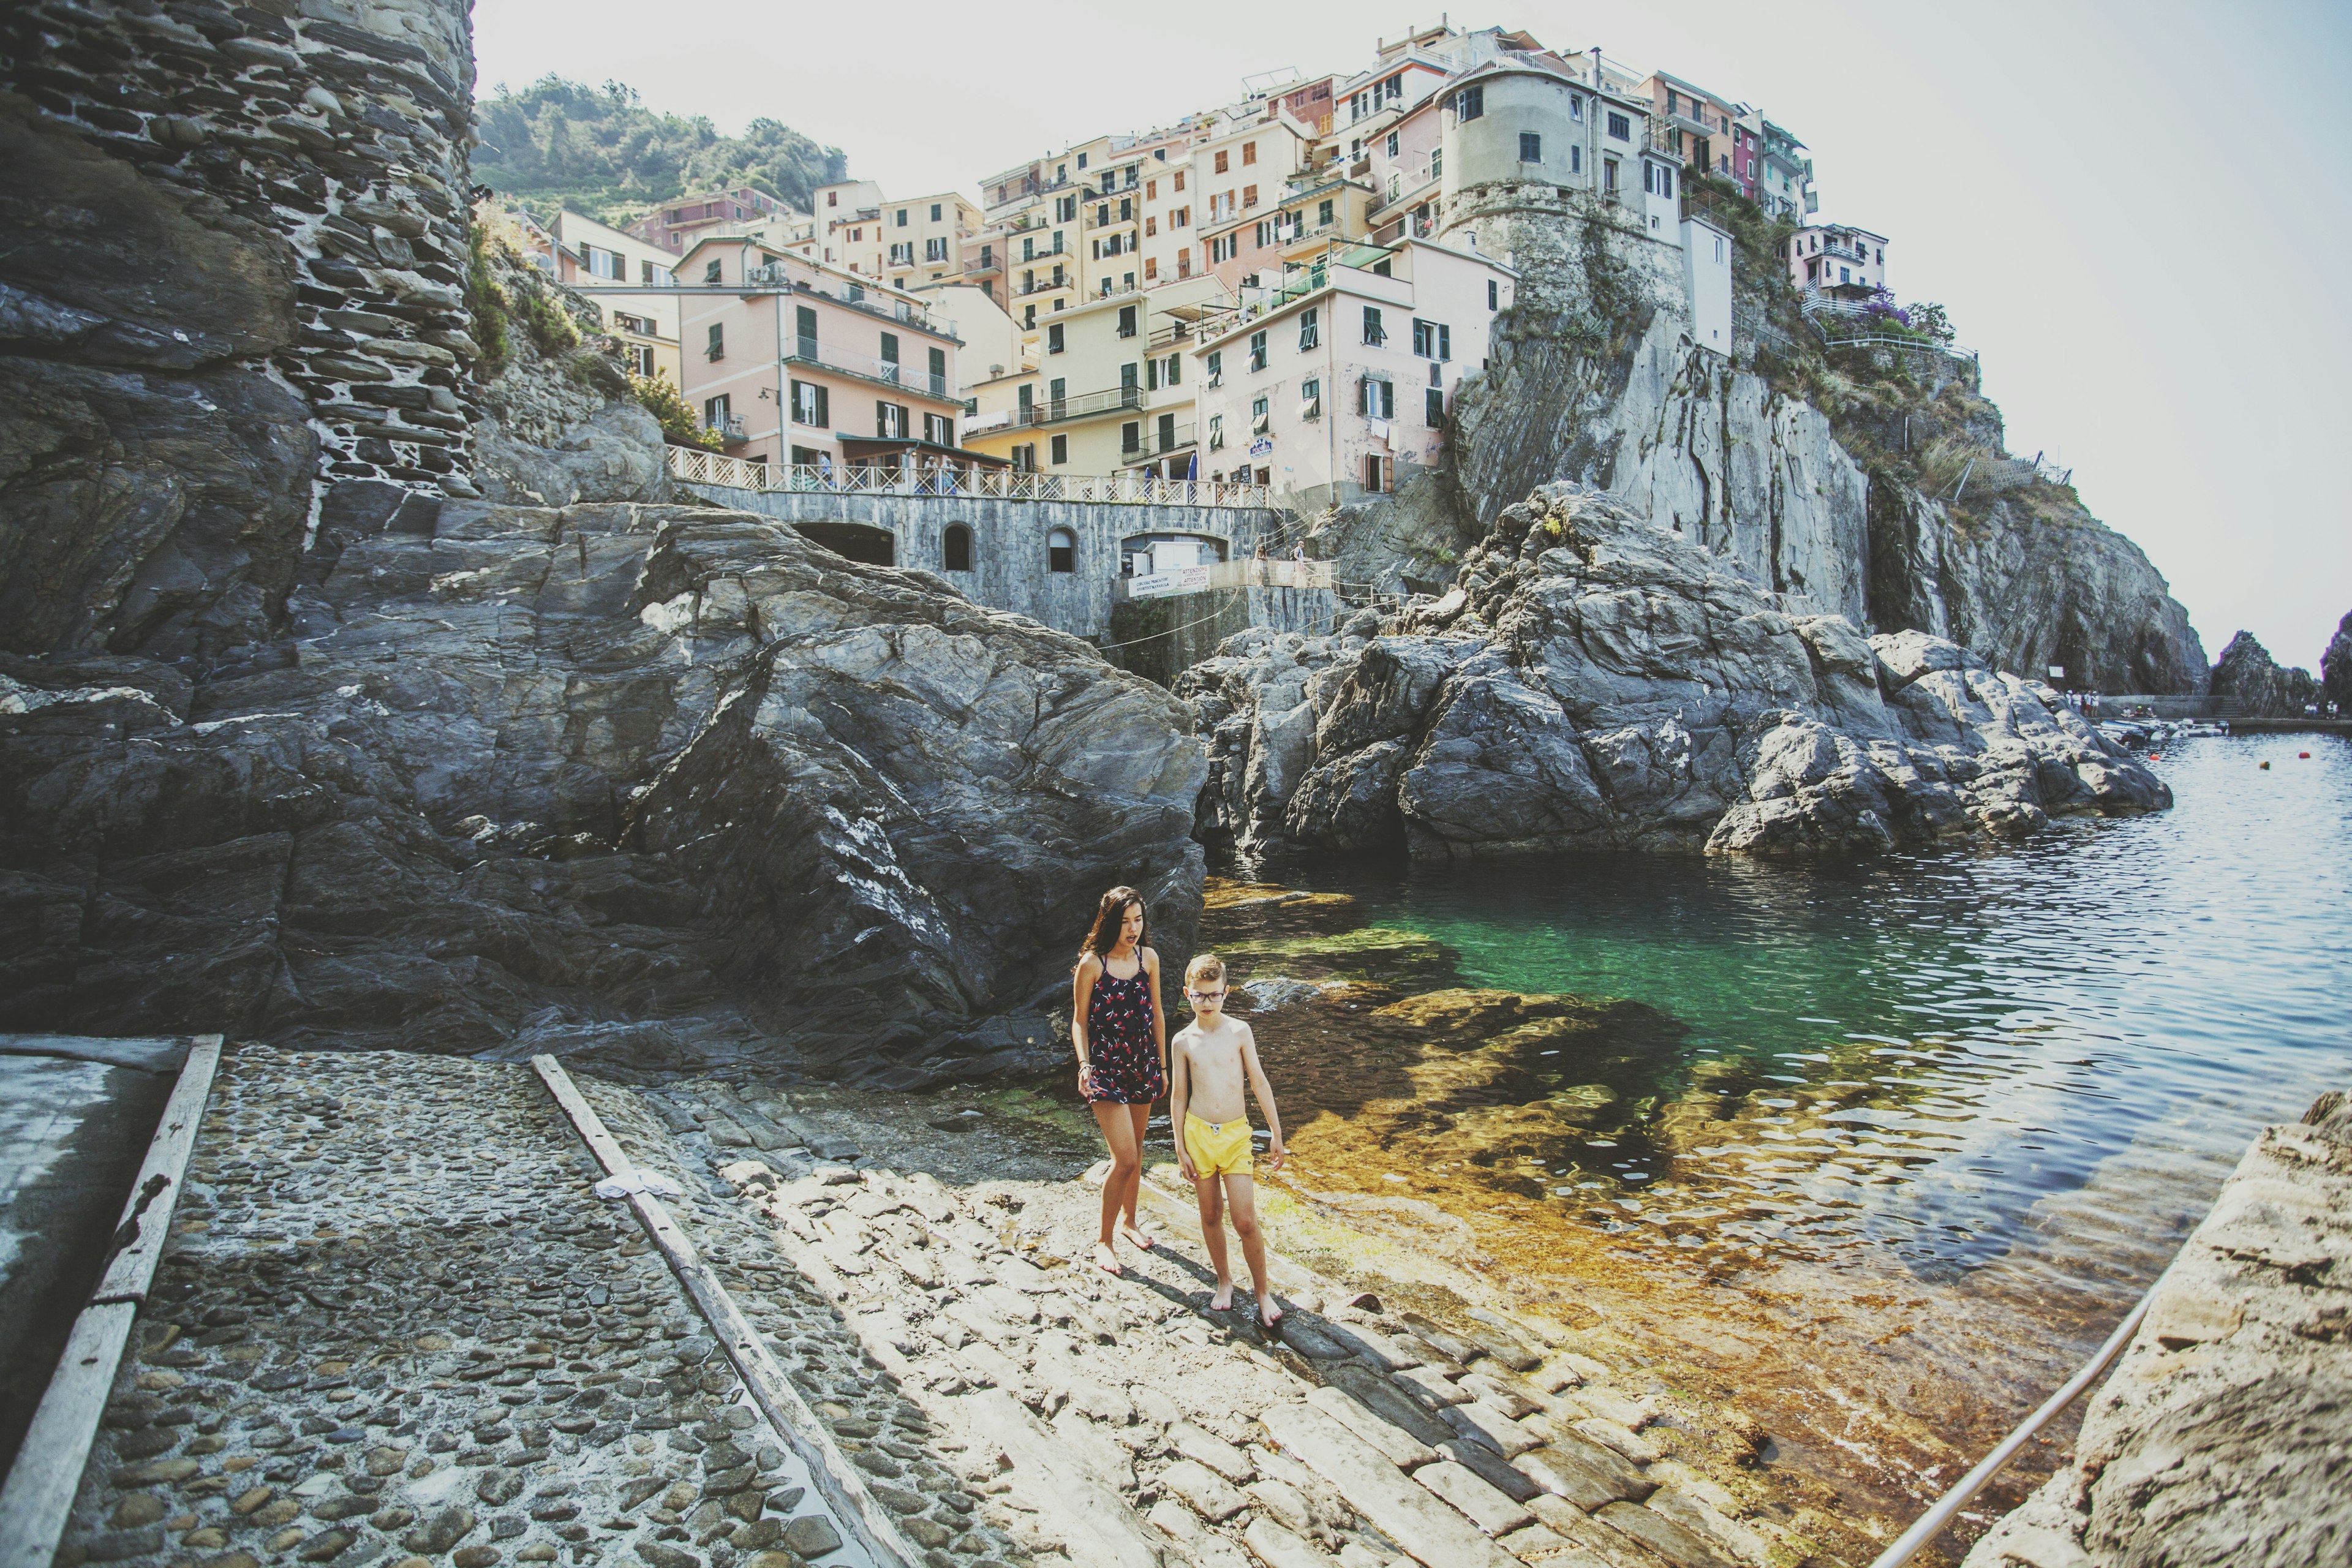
(1203, 996)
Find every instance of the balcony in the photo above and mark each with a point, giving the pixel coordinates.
(1156, 444)
(1095, 221)
(1085, 405)
(864, 367)
(730, 428)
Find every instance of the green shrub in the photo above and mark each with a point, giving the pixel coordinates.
(669, 406)
(485, 304)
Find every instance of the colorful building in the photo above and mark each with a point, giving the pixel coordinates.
(1338, 383)
(676, 224)
(1830, 255)
(588, 252)
(793, 361)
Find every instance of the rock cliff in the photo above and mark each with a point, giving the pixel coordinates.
(2249, 681)
(1869, 482)
(2336, 668)
(1593, 681)
(654, 785)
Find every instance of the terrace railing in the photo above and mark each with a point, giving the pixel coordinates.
(694, 467)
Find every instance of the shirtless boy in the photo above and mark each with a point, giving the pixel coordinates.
(1212, 1061)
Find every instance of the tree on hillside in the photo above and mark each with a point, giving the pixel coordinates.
(600, 151)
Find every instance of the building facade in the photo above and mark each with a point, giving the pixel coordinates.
(1836, 256)
(795, 362)
(1339, 384)
(677, 225)
(588, 252)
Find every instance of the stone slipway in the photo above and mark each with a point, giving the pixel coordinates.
(2224, 1434)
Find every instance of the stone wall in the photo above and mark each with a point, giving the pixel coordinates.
(239, 270)
(1161, 638)
(1011, 570)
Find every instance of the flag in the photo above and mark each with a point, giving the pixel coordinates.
(1192, 467)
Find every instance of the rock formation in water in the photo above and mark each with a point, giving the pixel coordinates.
(2249, 681)
(2336, 668)
(1595, 681)
(1869, 482)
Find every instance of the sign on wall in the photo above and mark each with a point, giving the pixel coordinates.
(1262, 447)
(1160, 585)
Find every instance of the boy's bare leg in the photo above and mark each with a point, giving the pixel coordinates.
(1243, 1191)
(1213, 1236)
(1118, 1188)
(1131, 1227)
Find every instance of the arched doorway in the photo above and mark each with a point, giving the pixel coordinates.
(955, 547)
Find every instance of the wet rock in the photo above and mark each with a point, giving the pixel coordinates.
(1594, 681)
(2249, 681)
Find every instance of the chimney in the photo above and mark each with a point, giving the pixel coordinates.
(1596, 66)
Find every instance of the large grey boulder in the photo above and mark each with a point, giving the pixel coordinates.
(655, 786)
(1595, 681)
(2249, 681)
(2336, 668)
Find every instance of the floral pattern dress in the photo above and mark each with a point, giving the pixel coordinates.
(1119, 1038)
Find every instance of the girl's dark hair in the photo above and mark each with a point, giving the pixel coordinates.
(1110, 915)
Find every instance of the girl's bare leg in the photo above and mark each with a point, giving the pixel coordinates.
(1132, 1227)
(1118, 1188)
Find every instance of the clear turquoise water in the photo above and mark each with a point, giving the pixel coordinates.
(2067, 1043)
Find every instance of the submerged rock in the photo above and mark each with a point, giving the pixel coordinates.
(1595, 681)
(653, 787)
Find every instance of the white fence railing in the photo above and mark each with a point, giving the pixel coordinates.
(1246, 572)
(700, 467)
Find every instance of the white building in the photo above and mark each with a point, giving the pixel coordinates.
(1337, 384)
(1836, 256)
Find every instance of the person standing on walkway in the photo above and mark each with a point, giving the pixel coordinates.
(1121, 1038)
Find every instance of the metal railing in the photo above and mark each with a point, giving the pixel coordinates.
(695, 467)
(1055, 410)
(1246, 572)
(865, 367)
(1153, 443)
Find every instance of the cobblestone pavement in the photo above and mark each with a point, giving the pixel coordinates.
(1119, 1421)
(396, 1327)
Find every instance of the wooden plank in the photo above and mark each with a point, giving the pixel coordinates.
(37, 1499)
(840, 1484)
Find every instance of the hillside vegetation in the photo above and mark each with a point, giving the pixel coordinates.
(601, 152)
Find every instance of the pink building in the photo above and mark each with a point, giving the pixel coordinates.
(675, 225)
(1836, 256)
(793, 360)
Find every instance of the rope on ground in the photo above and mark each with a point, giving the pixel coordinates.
(1217, 615)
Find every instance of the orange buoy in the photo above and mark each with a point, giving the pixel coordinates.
(2304, 754)
(2155, 756)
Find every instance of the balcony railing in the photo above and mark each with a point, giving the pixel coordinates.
(1155, 443)
(1248, 573)
(730, 428)
(1049, 284)
(1085, 405)
(695, 466)
(866, 367)
(1095, 221)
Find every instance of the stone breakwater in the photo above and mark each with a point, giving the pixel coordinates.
(1594, 681)
(2220, 1435)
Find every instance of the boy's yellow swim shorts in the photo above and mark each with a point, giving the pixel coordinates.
(1218, 1148)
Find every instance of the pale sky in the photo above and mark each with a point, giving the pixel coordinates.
(2129, 207)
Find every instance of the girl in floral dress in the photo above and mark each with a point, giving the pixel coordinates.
(1121, 1039)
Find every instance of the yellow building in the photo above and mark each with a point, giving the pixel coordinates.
(1109, 390)
(923, 239)
(595, 254)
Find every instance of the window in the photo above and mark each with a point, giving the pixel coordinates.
(1216, 432)
(1608, 175)
(1265, 233)
(1259, 418)
(1392, 144)
(717, 347)
(811, 404)
(889, 356)
(711, 271)
(890, 421)
(936, 362)
(1220, 166)
(935, 212)
(1469, 103)
(1436, 162)
(1127, 384)
(1061, 545)
(902, 217)
(1575, 158)
(1719, 247)
(1309, 329)
(1494, 294)
(1057, 390)
(1082, 160)
(955, 547)
(1151, 268)
(1657, 179)
(1130, 439)
(1249, 153)
(1257, 351)
(1396, 187)
(1061, 453)
(1433, 339)
(939, 430)
(1249, 196)
(1151, 227)
(1024, 398)
(903, 255)
(1217, 367)
(1024, 459)
(1179, 217)
(1531, 147)
(1055, 342)
(935, 249)
(1372, 470)
(1432, 407)
(1374, 332)
(641, 359)
(1180, 180)
(1151, 190)
(714, 412)
(1620, 128)
(1310, 398)
(1377, 399)
(1576, 109)
(1175, 374)
(1126, 321)
(1323, 212)
(807, 457)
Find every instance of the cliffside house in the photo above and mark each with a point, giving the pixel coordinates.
(677, 225)
(1336, 384)
(588, 252)
(793, 360)
(1829, 256)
